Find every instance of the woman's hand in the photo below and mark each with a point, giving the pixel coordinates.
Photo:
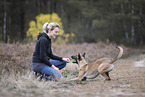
(66, 59)
(55, 68)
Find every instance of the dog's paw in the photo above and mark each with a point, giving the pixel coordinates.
(76, 79)
(84, 79)
(107, 79)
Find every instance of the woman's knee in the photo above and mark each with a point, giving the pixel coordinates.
(64, 62)
(48, 71)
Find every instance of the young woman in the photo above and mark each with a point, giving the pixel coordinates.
(44, 61)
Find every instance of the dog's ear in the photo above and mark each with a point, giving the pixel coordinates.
(79, 57)
(84, 55)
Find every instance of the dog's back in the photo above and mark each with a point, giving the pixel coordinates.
(93, 67)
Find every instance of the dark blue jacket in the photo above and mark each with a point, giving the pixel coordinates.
(43, 52)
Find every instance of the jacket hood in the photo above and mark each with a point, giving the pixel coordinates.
(42, 35)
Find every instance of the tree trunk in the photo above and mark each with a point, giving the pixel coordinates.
(5, 20)
(22, 24)
(124, 25)
(22, 14)
(132, 25)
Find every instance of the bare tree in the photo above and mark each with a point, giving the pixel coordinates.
(124, 25)
(5, 20)
(132, 25)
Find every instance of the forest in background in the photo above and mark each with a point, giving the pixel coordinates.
(117, 21)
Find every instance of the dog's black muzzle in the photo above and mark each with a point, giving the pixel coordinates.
(75, 59)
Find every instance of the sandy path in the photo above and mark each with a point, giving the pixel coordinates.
(128, 80)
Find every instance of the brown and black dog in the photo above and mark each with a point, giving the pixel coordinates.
(101, 66)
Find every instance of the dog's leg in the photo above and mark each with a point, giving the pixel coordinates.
(107, 73)
(82, 72)
(104, 73)
(80, 76)
(92, 76)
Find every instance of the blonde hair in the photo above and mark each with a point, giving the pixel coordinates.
(51, 26)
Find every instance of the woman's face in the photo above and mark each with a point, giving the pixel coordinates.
(54, 32)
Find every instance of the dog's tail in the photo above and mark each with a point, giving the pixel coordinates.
(119, 54)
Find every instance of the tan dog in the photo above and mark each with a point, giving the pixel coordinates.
(101, 66)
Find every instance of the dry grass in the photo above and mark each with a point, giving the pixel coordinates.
(16, 78)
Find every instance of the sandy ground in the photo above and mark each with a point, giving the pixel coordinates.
(128, 80)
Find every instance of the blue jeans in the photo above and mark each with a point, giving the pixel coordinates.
(51, 73)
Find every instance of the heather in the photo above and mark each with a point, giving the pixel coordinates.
(17, 79)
